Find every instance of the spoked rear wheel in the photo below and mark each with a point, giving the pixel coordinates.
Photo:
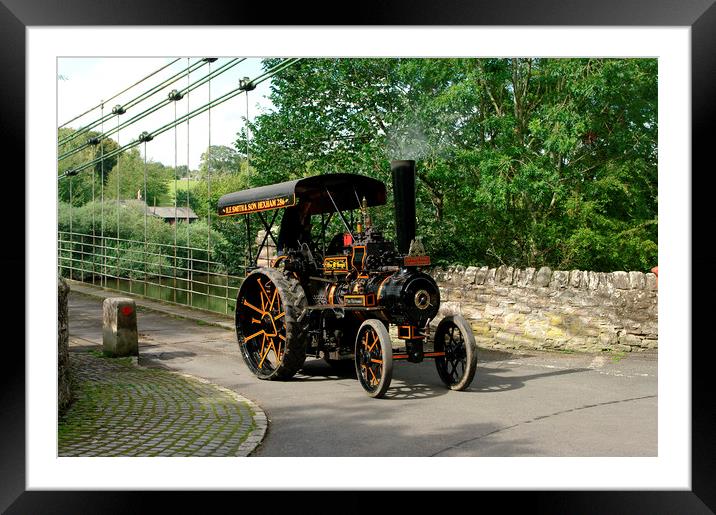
(454, 337)
(374, 358)
(271, 340)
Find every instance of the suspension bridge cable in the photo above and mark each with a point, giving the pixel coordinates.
(200, 82)
(117, 110)
(227, 66)
(101, 104)
(120, 109)
(226, 96)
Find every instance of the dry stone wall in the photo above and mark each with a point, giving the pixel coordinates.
(510, 308)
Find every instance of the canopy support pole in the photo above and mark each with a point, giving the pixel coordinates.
(343, 219)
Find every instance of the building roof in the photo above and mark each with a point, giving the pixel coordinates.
(180, 213)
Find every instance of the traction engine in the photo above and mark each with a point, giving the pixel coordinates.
(337, 299)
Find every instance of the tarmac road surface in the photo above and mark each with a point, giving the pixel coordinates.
(530, 404)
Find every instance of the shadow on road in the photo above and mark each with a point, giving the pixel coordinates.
(411, 382)
(361, 426)
(485, 354)
(319, 370)
(413, 391)
(487, 379)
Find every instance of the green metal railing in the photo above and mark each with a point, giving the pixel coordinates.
(178, 274)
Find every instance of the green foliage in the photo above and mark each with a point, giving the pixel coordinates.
(526, 162)
(129, 173)
(83, 183)
(204, 194)
(127, 168)
(96, 244)
(231, 248)
(221, 159)
(183, 171)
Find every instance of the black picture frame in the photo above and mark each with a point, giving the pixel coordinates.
(16, 15)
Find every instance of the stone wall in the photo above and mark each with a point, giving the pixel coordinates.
(512, 308)
(268, 253)
(64, 393)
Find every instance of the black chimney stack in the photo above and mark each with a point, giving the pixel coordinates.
(404, 200)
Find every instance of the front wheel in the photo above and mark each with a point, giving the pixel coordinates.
(454, 337)
(374, 358)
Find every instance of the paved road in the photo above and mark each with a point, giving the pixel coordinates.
(536, 404)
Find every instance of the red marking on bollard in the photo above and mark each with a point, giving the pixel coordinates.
(127, 310)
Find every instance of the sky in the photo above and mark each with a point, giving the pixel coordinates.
(83, 83)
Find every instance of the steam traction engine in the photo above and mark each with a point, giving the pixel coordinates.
(334, 298)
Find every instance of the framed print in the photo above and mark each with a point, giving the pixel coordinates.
(680, 35)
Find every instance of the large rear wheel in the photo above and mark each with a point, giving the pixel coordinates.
(272, 341)
(454, 337)
(374, 357)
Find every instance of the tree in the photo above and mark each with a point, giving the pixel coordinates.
(204, 194)
(220, 159)
(183, 171)
(83, 182)
(229, 172)
(549, 161)
(129, 174)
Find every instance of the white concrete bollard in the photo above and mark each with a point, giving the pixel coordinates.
(119, 331)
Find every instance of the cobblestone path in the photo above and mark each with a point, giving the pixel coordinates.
(124, 410)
